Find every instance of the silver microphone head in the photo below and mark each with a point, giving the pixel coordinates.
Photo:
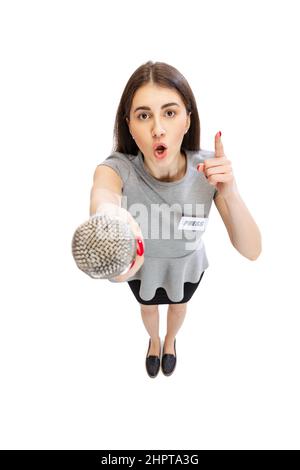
(103, 247)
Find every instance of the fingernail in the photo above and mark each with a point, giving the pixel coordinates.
(219, 134)
(132, 264)
(199, 167)
(140, 247)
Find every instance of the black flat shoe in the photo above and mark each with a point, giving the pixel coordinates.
(168, 362)
(153, 362)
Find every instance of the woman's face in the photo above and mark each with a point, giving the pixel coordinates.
(154, 122)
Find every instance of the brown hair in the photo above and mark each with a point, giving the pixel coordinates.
(164, 75)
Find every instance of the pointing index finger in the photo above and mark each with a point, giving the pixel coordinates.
(219, 150)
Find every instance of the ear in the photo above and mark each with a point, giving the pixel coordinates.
(188, 122)
(128, 124)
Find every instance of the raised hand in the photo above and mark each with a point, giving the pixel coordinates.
(218, 170)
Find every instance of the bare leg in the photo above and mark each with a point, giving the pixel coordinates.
(176, 316)
(150, 317)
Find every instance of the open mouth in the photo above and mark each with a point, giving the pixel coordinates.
(160, 151)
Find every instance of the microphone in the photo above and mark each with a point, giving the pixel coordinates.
(104, 246)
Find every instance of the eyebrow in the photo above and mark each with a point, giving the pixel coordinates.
(163, 106)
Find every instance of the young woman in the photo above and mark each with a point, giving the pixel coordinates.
(159, 175)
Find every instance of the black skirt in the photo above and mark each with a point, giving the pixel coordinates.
(161, 296)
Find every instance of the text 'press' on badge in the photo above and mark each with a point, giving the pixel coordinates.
(193, 223)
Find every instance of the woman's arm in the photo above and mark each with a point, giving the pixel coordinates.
(241, 227)
(106, 197)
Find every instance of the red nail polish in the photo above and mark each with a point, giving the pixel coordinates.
(140, 247)
(132, 264)
(220, 133)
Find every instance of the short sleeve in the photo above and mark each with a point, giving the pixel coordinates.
(117, 162)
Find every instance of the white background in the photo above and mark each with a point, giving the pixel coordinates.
(72, 349)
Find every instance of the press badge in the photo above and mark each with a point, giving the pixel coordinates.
(193, 223)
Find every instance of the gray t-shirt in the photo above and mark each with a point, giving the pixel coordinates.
(172, 217)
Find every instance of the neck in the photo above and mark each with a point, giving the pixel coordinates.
(175, 171)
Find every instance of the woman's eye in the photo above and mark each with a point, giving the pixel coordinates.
(142, 114)
(170, 111)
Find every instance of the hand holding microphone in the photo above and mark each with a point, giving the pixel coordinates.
(109, 245)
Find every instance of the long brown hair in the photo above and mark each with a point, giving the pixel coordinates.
(164, 75)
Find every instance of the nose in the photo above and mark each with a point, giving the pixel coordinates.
(157, 130)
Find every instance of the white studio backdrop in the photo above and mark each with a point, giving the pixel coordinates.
(73, 348)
